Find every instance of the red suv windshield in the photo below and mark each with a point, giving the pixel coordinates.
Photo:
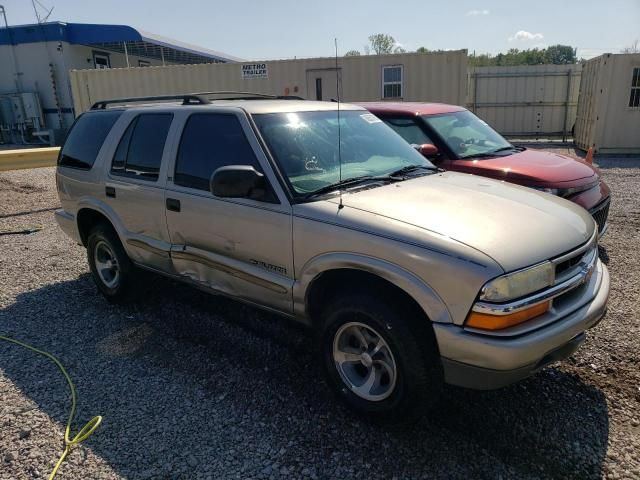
(466, 135)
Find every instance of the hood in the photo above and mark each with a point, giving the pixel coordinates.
(534, 166)
(515, 226)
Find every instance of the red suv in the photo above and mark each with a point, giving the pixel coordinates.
(455, 139)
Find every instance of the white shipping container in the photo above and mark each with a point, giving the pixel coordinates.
(424, 77)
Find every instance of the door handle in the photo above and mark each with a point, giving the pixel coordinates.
(173, 204)
(110, 192)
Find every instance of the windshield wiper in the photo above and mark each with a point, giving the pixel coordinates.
(510, 147)
(490, 154)
(395, 176)
(480, 155)
(349, 182)
(411, 168)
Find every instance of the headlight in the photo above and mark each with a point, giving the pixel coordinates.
(520, 283)
(567, 192)
(552, 191)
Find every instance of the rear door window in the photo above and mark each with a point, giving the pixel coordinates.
(86, 138)
(139, 153)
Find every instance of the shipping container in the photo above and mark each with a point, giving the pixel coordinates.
(424, 77)
(608, 117)
(526, 100)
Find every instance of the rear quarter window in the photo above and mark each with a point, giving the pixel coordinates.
(86, 138)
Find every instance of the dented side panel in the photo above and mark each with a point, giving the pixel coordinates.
(236, 249)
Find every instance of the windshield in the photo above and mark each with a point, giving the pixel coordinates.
(466, 135)
(305, 146)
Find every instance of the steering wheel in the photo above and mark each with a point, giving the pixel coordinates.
(460, 145)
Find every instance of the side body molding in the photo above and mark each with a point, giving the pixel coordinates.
(422, 293)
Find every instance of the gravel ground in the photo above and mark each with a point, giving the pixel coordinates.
(195, 386)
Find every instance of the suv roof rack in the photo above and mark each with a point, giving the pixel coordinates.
(249, 95)
(194, 98)
(187, 99)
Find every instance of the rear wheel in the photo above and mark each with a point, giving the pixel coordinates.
(379, 357)
(110, 266)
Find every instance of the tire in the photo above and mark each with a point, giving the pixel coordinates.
(103, 246)
(400, 393)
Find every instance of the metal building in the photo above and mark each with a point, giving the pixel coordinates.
(608, 117)
(433, 77)
(537, 101)
(35, 93)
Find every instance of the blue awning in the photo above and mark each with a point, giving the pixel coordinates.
(80, 33)
(111, 37)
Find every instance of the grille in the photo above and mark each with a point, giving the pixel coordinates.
(600, 214)
(572, 263)
(568, 264)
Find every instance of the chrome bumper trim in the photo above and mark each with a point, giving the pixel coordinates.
(604, 231)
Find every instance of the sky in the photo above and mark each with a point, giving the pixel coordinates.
(273, 29)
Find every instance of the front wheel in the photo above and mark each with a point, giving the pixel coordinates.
(110, 266)
(380, 357)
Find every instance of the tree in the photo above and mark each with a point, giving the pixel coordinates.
(633, 48)
(534, 56)
(560, 54)
(382, 43)
(352, 53)
(422, 50)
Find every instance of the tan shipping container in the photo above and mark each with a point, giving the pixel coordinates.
(526, 100)
(608, 117)
(426, 77)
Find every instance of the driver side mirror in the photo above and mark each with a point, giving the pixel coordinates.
(428, 150)
(236, 181)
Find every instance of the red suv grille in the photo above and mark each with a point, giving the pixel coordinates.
(600, 213)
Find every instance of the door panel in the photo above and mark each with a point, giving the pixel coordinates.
(140, 209)
(134, 189)
(236, 248)
(241, 247)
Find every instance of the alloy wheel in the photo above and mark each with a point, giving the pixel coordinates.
(365, 361)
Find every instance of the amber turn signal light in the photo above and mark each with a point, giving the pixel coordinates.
(498, 322)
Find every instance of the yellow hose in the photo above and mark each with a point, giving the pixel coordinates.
(86, 431)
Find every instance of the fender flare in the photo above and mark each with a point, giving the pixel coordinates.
(427, 298)
(108, 212)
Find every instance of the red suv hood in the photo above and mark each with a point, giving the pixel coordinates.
(531, 167)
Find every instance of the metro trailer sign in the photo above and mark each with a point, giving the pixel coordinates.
(254, 70)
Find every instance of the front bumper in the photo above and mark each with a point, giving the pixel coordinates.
(487, 362)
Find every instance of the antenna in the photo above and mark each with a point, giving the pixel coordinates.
(340, 205)
(48, 11)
